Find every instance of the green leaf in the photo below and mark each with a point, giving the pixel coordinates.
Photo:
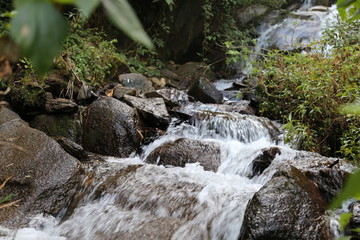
(351, 190)
(87, 6)
(123, 16)
(344, 238)
(7, 198)
(344, 220)
(39, 29)
(64, 1)
(350, 109)
(344, 3)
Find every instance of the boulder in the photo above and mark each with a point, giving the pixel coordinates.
(42, 176)
(183, 151)
(73, 148)
(56, 83)
(205, 92)
(137, 81)
(158, 83)
(264, 159)
(27, 98)
(120, 91)
(152, 110)
(59, 105)
(189, 110)
(287, 207)
(7, 115)
(183, 76)
(110, 127)
(54, 125)
(354, 220)
(171, 96)
(249, 14)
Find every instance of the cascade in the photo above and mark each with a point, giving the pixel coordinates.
(131, 199)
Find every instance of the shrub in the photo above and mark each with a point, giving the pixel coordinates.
(306, 91)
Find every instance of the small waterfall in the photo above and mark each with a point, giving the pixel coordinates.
(130, 199)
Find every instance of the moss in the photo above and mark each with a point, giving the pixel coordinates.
(27, 97)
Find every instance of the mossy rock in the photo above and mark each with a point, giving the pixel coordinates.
(56, 125)
(27, 97)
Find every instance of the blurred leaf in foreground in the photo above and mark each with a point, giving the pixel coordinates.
(39, 29)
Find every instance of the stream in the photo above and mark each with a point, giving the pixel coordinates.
(131, 199)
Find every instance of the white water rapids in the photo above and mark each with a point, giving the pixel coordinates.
(155, 202)
(187, 203)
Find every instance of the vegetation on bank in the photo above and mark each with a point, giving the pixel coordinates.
(306, 92)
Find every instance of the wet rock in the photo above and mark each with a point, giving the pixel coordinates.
(183, 76)
(120, 91)
(43, 175)
(184, 150)
(60, 105)
(263, 161)
(328, 174)
(110, 127)
(56, 83)
(137, 81)
(189, 110)
(150, 134)
(7, 115)
(249, 14)
(158, 83)
(354, 221)
(27, 99)
(171, 96)
(205, 92)
(152, 110)
(318, 9)
(73, 148)
(287, 207)
(55, 125)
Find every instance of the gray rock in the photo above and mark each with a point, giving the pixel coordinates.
(184, 150)
(7, 115)
(354, 221)
(110, 127)
(287, 207)
(55, 125)
(183, 76)
(171, 96)
(152, 110)
(205, 92)
(328, 174)
(137, 81)
(249, 14)
(43, 175)
(120, 91)
(263, 161)
(60, 105)
(73, 148)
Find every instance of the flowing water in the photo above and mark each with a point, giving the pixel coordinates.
(130, 199)
(172, 202)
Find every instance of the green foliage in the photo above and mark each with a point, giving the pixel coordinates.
(87, 55)
(311, 88)
(225, 37)
(7, 198)
(350, 139)
(349, 9)
(342, 34)
(39, 28)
